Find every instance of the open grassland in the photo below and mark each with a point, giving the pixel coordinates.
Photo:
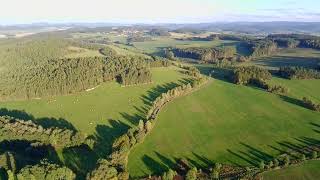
(306, 171)
(75, 52)
(157, 44)
(289, 57)
(106, 112)
(126, 50)
(226, 123)
(107, 105)
(300, 88)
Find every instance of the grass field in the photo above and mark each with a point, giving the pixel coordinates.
(105, 112)
(226, 123)
(289, 57)
(74, 52)
(307, 171)
(159, 43)
(300, 88)
(107, 104)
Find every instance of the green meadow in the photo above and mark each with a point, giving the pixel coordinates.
(230, 124)
(305, 171)
(157, 44)
(288, 57)
(108, 104)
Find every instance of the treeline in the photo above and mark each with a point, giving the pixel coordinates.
(299, 40)
(158, 61)
(115, 166)
(261, 47)
(229, 37)
(36, 68)
(159, 32)
(185, 169)
(291, 72)
(134, 76)
(246, 74)
(64, 76)
(138, 38)
(287, 42)
(15, 129)
(307, 103)
(43, 170)
(276, 89)
(205, 54)
(256, 76)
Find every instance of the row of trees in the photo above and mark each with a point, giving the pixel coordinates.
(218, 171)
(135, 76)
(297, 40)
(43, 170)
(262, 47)
(245, 74)
(287, 42)
(15, 129)
(310, 104)
(291, 72)
(35, 68)
(138, 38)
(116, 164)
(205, 54)
(64, 76)
(277, 89)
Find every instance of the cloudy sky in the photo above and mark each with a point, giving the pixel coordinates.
(157, 11)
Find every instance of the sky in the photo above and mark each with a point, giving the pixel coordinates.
(157, 11)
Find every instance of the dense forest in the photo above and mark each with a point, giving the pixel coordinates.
(27, 149)
(290, 72)
(39, 69)
(63, 76)
(261, 47)
(16, 129)
(205, 54)
(300, 40)
(244, 75)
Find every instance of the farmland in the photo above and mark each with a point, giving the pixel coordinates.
(132, 102)
(219, 124)
(309, 170)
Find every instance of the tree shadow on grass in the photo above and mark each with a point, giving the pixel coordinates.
(253, 156)
(166, 161)
(153, 165)
(279, 61)
(291, 100)
(203, 159)
(155, 92)
(80, 159)
(135, 118)
(316, 127)
(106, 134)
(46, 122)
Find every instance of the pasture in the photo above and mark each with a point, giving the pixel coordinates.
(288, 57)
(108, 104)
(229, 124)
(305, 171)
(157, 44)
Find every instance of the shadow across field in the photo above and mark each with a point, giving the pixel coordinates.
(254, 156)
(248, 155)
(106, 134)
(45, 122)
(80, 159)
(278, 61)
